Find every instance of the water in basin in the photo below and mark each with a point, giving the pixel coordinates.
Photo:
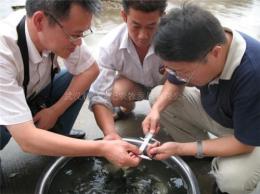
(93, 175)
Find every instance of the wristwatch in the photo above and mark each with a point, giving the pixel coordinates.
(199, 153)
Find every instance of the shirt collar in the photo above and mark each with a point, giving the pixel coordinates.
(33, 53)
(235, 55)
(128, 44)
(125, 39)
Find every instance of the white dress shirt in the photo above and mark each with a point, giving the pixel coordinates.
(13, 106)
(117, 56)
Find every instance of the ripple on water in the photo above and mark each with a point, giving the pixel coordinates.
(95, 175)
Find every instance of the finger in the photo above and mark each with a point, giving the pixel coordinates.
(41, 125)
(130, 160)
(134, 161)
(154, 150)
(160, 156)
(36, 118)
(152, 130)
(132, 148)
(157, 128)
(153, 126)
(131, 154)
(146, 126)
(150, 146)
(152, 154)
(148, 152)
(135, 157)
(156, 156)
(156, 142)
(145, 130)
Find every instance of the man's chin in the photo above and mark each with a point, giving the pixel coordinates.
(64, 54)
(143, 44)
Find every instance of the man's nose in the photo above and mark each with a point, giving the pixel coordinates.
(143, 34)
(77, 42)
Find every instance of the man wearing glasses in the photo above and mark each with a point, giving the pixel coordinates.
(36, 106)
(128, 65)
(224, 65)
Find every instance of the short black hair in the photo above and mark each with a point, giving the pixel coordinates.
(145, 5)
(188, 34)
(60, 8)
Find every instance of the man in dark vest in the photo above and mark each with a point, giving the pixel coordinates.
(223, 65)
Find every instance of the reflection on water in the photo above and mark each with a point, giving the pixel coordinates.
(97, 176)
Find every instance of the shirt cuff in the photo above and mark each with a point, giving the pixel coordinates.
(99, 100)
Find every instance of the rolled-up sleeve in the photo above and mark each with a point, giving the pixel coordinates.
(101, 90)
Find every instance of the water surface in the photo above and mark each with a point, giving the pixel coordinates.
(96, 176)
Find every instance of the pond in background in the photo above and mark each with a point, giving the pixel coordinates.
(243, 15)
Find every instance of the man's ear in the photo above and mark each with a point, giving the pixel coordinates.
(216, 51)
(37, 19)
(123, 15)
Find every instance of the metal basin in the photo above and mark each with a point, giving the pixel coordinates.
(182, 169)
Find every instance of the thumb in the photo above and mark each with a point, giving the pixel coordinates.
(155, 150)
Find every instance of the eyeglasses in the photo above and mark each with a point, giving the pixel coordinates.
(185, 78)
(178, 77)
(72, 38)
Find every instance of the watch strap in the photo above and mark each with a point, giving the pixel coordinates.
(199, 153)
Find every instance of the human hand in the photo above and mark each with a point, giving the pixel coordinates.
(161, 152)
(45, 118)
(121, 153)
(151, 123)
(112, 136)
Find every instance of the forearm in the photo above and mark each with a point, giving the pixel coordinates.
(224, 146)
(104, 119)
(67, 146)
(168, 95)
(79, 84)
(43, 142)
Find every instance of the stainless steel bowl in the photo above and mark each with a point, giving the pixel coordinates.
(174, 162)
